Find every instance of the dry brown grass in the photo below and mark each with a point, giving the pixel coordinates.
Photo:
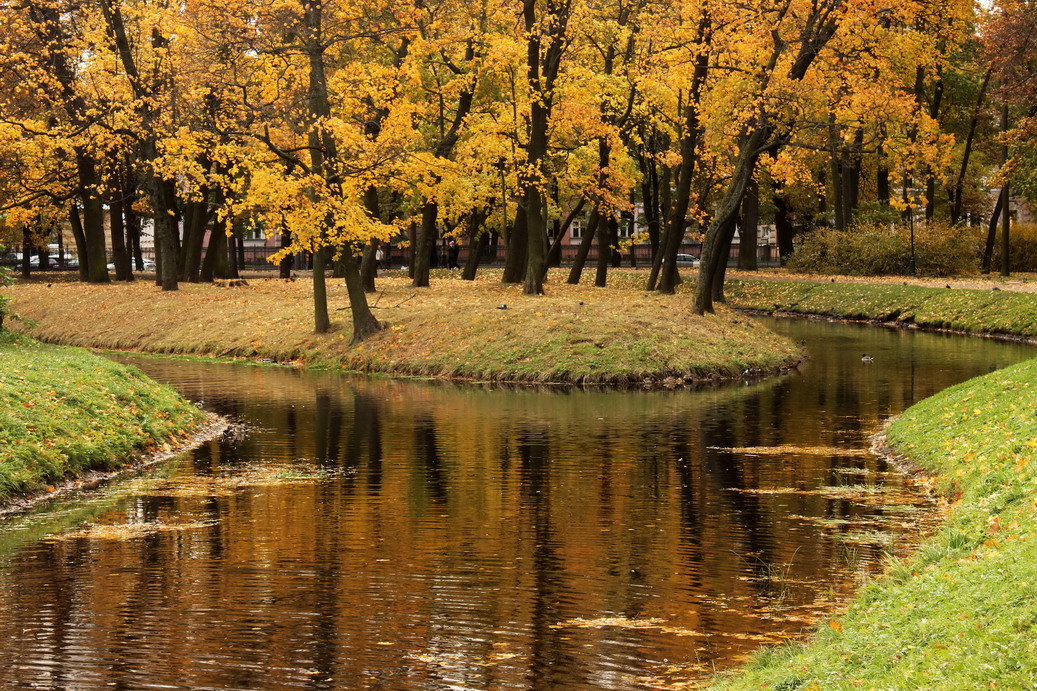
(454, 329)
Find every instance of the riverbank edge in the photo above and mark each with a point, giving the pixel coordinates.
(948, 609)
(57, 435)
(581, 339)
(668, 382)
(995, 314)
(94, 479)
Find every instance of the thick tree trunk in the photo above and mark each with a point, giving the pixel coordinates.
(369, 266)
(233, 270)
(93, 219)
(191, 247)
(82, 251)
(721, 273)
(518, 249)
(284, 267)
(215, 263)
(749, 228)
(321, 320)
(721, 231)
(605, 234)
(121, 258)
(364, 322)
(425, 244)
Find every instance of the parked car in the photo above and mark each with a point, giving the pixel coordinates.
(149, 265)
(13, 260)
(687, 260)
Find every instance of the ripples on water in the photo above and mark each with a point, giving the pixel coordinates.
(375, 533)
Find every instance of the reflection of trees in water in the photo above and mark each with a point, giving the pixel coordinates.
(455, 512)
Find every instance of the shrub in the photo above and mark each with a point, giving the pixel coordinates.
(1023, 238)
(881, 250)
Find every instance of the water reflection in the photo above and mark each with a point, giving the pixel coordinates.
(406, 535)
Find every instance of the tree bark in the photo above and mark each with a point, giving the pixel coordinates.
(605, 250)
(425, 244)
(93, 219)
(783, 227)
(583, 250)
(988, 247)
(284, 267)
(518, 249)
(749, 228)
(321, 320)
(215, 263)
(82, 251)
(123, 269)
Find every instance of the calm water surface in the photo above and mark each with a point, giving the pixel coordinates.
(384, 534)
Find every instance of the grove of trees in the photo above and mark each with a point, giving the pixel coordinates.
(341, 124)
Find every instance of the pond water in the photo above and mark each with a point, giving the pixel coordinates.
(395, 534)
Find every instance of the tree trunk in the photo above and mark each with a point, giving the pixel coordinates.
(121, 258)
(284, 267)
(82, 251)
(26, 252)
(93, 219)
(364, 322)
(749, 228)
(682, 201)
(232, 256)
(605, 249)
(321, 321)
(721, 273)
(988, 247)
(425, 244)
(369, 266)
(958, 193)
(783, 227)
(560, 230)
(518, 249)
(215, 263)
(476, 249)
(583, 250)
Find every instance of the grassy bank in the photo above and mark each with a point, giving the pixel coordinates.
(961, 613)
(64, 411)
(991, 312)
(454, 329)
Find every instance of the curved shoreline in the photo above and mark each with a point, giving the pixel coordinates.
(95, 479)
(69, 419)
(932, 619)
(460, 331)
(999, 314)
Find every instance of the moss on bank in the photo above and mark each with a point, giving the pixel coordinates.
(961, 613)
(992, 312)
(64, 411)
(454, 329)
